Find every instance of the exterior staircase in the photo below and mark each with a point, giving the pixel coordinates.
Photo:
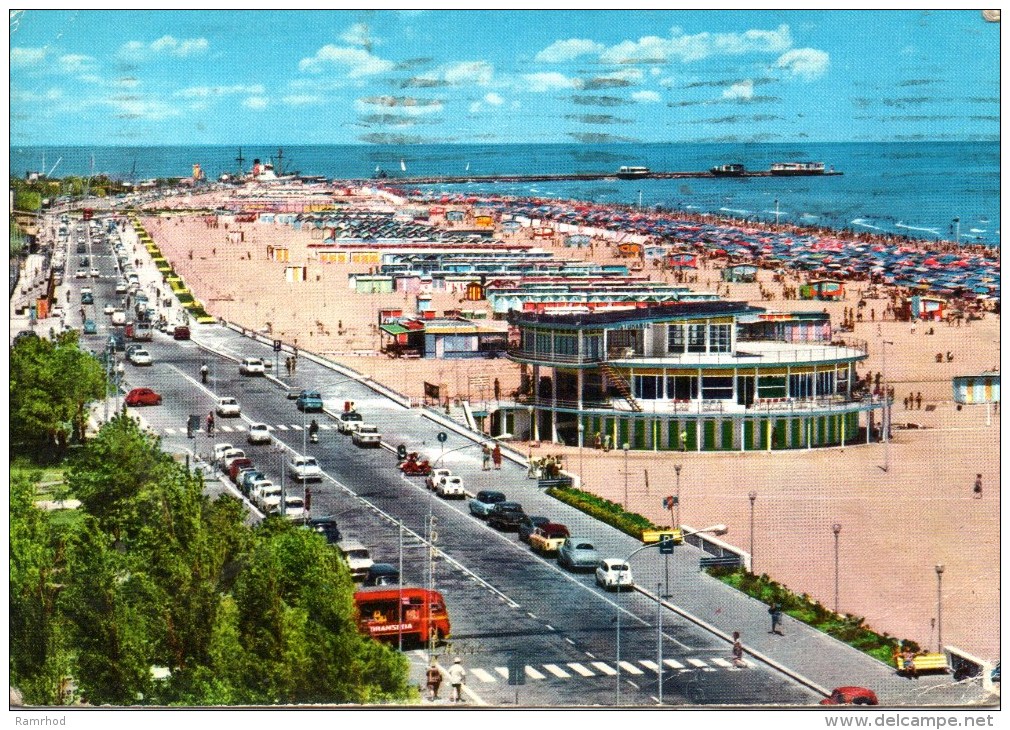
(614, 375)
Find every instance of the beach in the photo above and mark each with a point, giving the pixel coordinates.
(896, 524)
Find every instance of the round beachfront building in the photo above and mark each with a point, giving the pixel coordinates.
(696, 376)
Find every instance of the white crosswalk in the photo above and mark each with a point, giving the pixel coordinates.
(226, 428)
(586, 670)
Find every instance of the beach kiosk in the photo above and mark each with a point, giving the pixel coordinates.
(933, 309)
(829, 290)
(740, 273)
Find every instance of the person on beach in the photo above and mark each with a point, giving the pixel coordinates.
(977, 490)
(918, 401)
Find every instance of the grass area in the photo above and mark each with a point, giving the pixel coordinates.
(603, 509)
(70, 518)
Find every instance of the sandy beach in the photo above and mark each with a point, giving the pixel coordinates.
(896, 525)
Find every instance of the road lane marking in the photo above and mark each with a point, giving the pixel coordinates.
(580, 669)
(549, 627)
(533, 673)
(557, 671)
(226, 429)
(324, 427)
(673, 664)
(296, 427)
(588, 654)
(569, 641)
(630, 668)
(720, 662)
(605, 668)
(281, 427)
(482, 675)
(696, 662)
(503, 671)
(170, 430)
(649, 664)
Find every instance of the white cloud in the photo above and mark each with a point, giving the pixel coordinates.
(687, 48)
(645, 96)
(358, 62)
(204, 92)
(408, 106)
(741, 90)
(475, 107)
(301, 99)
(476, 72)
(568, 50)
(494, 99)
(360, 34)
(75, 63)
(806, 63)
(549, 81)
(166, 45)
(628, 74)
(135, 107)
(255, 102)
(22, 57)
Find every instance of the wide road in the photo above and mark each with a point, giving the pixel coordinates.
(506, 604)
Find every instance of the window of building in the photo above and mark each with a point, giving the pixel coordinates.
(566, 344)
(675, 338)
(696, 338)
(842, 381)
(720, 338)
(529, 340)
(648, 387)
(772, 386)
(682, 387)
(717, 387)
(801, 385)
(593, 344)
(543, 343)
(826, 383)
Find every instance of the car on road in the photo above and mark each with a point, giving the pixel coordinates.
(228, 407)
(484, 502)
(366, 435)
(95, 273)
(304, 468)
(327, 527)
(382, 574)
(850, 696)
(142, 397)
(505, 516)
(141, 356)
(252, 366)
(547, 538)
(118, 318)
(259, 433)
(109, 309)
(81, 274)
(348, 421)
(90, 328)
(87, 296)
(181, 332)
(309, 401)
(613, 573)
(267, 497)
(356, 556)
(528, 523)
(431, 481)
(294, 508)
(121, 287)
(450, 487)
(577, 553)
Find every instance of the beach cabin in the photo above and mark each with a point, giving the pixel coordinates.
(655, 251)
(373, 284)
(824, 290)
(629, 250)
(933, 309)
(484, 221)
(577, 240)
(278, 253)
(972, 389)
(740, 273)
(295, 273)
(455, 216)
(422, 304)
(474, 292)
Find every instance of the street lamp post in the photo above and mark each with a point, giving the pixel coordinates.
(887, 405)
(676, 502)
(939, 607)
(836, 528)
(582, 429)
(715, 529)
(625, 447)
(753, 498)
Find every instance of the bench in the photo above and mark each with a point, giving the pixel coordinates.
(929, 661)
(721, 561)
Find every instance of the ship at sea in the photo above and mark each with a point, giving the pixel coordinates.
(732, 170)
(801, 168)
(627, 172)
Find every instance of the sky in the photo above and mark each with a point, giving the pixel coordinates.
(456, 76)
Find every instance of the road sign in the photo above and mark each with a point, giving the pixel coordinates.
(666, 543)
(277, 345)
(442, 436)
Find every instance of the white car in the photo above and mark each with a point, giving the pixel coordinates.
(356, 556)
(58, 312)
(94, 273)
(221, 449)
(140, 357)
(118, 317)
(267, 495)
(449, 487)
(121, 287)
(81, 274)
(252, 366)
(304, 468)
(228, 407)
(613, 573)
(259, 433)
(230, 455)
(109, 309)
(294, 508)
(432, 479)
(366, 435)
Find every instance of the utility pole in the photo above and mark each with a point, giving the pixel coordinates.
(280, 161)
(240, 159)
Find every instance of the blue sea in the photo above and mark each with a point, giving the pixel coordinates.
(923, 190)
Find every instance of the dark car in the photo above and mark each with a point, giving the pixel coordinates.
(528, 523)
(325, 526)
(181, 332)
(90, 328)
(850, 696)
(382, 574)
(142, 397)
(505, 516)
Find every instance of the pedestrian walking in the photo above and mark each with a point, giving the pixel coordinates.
(210, 423)
(978, 486)
(775, 611)
(485, 458)
(738, 651)
(606, 442)
(456, 676)
(918, 400)
(497, 389)
(598, 441)
(683, 440)
(496, 456)
(287, 364)
(434, 680)
(905, 401)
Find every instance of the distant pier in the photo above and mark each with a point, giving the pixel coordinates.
(583, 176)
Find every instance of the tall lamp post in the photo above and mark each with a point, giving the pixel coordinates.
(887, 405)
(836, 528)
(625, 447)
(939, 607)
(582, 429)
(676, 502)
(753, 498)
(714, 529)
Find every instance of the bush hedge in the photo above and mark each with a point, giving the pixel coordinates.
(604, 510)
(849, 629)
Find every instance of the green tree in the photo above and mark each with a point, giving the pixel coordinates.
(25, 199)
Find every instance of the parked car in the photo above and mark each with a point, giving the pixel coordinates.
(304, 468)
(267, 497)
(140, 356)
(181, 332)
(252, 366)
(294, 508)
(142, 397)
(325, 526)
(850, 696)
(366, 435)
(228, 407)
(230, 455)
(118, 318)
(237, 467)
(309, 401)
(220, 449)
(259, 433)
(246, 478)
(613, 573)
(121, 287)
(109, 309)
(356, 556)
(505, 516)
(348, 421)
(547, 538)
(528, 523)
(90, 328)
(450, 487)
(431, 481)
(577, 553)
(382, 574)
(486, 499)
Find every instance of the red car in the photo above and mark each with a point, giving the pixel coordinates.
(180, 333)
(143, 397)
(850, 696)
